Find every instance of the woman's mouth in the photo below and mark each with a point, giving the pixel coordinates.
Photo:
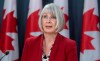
(48, 27)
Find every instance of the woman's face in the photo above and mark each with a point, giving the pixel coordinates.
(49, 22)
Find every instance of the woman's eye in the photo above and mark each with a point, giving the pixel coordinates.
(53, 17)
(44, 16)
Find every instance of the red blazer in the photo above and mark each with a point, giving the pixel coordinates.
(63, 49)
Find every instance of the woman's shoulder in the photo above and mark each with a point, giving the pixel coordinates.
(67, 44)
(68, 41)
(33, 39)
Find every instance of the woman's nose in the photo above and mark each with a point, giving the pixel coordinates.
(49, 19)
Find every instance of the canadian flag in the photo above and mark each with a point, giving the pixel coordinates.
(90, 43)
(63, 4)
(9, 35)
(32, 28)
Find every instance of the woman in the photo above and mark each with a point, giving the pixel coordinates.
(50, 45)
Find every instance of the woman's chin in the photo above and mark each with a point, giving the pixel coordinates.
(49, 32)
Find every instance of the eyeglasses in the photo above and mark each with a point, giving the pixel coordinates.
(47, 17)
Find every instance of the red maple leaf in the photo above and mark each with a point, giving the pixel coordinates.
(32, 23)
(86, 43)
(90, 22)
(8, 25)
(66, 19)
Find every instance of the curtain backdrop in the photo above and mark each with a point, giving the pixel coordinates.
(75, 19)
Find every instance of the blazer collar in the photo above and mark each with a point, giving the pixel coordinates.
(54, 47)
(39, 45)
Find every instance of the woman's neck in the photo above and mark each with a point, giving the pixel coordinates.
(49, 37)
(48, 42)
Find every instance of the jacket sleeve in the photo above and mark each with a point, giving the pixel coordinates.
(25, 51)
(72, 53)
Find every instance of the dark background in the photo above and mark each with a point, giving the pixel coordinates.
(75, 20)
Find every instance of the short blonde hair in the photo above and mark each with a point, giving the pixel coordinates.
(56, 11)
